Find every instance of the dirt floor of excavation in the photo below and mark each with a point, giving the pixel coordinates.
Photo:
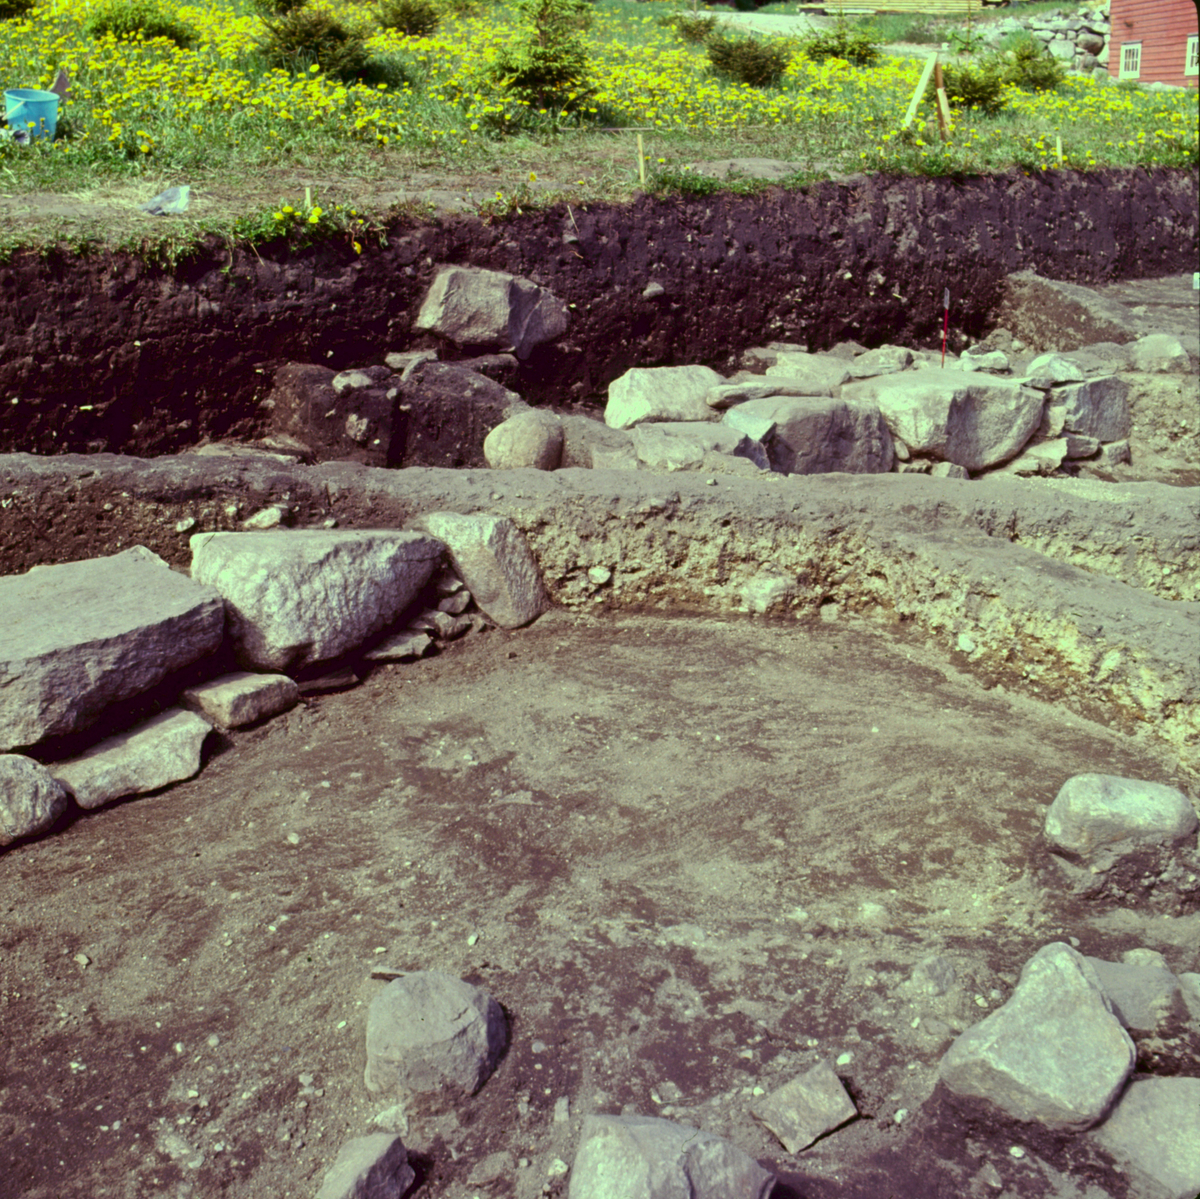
(690, 857)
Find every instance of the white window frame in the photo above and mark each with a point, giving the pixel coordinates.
(1130, 63)
(1191, 58)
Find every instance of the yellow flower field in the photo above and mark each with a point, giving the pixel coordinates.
(141, 105)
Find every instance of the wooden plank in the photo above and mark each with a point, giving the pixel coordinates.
(930, 64)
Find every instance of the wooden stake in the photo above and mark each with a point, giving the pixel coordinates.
(641, 161)
(945, 125)
(916, 100)
(1058, 147)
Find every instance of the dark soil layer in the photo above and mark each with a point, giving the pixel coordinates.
(111, 353)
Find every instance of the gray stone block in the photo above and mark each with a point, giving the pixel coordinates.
(1155, 1132)
(79, 637)
(1054, 1054)
(241, 698)
(165, 749)
(494, 561)
(645, 1157)
(470, 306)
(430, 1034)
(31, 799)
(371, 1167)
(298, 597)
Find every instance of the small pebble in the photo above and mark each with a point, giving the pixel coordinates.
(213, 1041)
(901, 1113)
(558, 1168)
(293, 838)
(1016, 1151)
(844, 1059)
(83, 960)
(473, 939)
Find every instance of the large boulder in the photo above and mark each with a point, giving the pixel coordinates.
(431, 1034)
(494, 561)
(973, 420)
(474, 307)
(165, 749)
(31, 799)
(818, 434)
(1099, 815)
(657, 393)
(646, 1157)
(1114, 838)
(78, 637)
(308, 595)
(1054, 1054)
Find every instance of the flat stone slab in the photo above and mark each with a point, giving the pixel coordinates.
(295, 597)
(242, 697)
(676, 393)
(646, 1157)
(806, 1108)
(81, 636)
(163, 750)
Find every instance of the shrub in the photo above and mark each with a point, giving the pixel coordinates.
(276, 8)
(139, 18)
(11, 10)
(550, 57)
(692, 27)
(413, 18)
(301, 38)
(757, 62)
(1032, 68)
(857, 44)
(980, 85)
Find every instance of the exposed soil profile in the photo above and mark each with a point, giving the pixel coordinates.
(110, 354)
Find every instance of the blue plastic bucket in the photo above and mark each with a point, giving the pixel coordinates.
(32, 111)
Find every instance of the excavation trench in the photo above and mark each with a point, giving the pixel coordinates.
(691, 849)
(110, 353)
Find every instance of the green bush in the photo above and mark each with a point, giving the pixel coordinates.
(976, 85)
(139, 18)
(11, 10)
(301, 38)
(413, 18)
(1031, 67)
(276, 8)
(857, 44)
(758, 62)
(550, 59)
(692, 27)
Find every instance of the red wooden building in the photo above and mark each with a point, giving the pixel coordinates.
(1154, 41)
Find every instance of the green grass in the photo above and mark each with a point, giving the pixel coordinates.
(145, 115)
